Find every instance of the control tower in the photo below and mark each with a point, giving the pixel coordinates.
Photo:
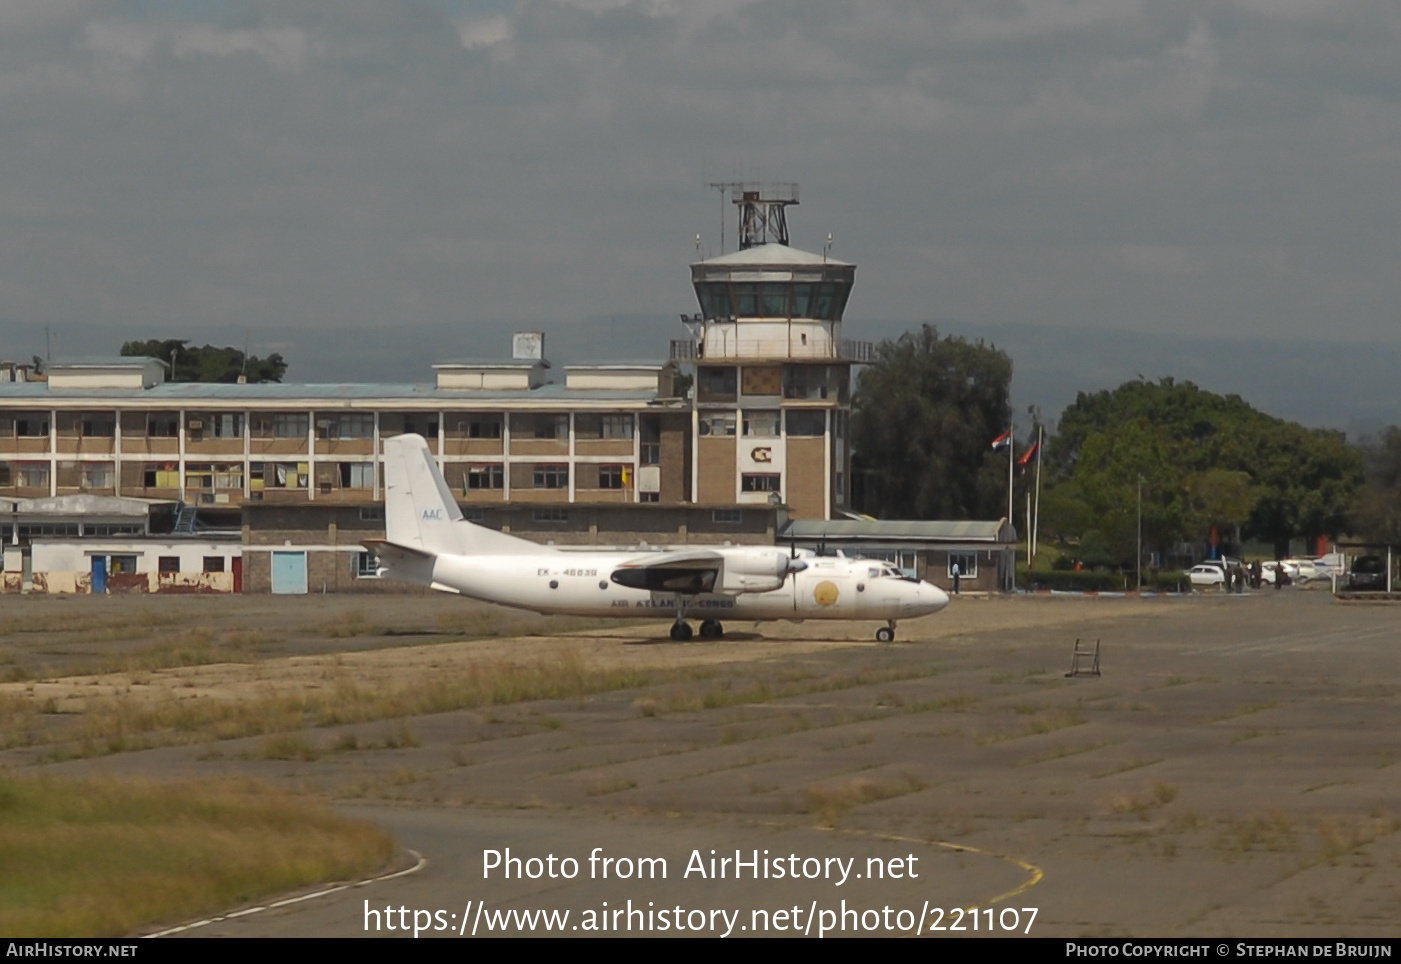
(773, 374)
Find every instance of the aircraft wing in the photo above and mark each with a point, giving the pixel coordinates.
(688, 571)
(729, 570)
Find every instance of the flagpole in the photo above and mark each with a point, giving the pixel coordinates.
(1036, 515)
(1011, 457)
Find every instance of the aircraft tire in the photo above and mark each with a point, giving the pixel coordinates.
(680, 631)
(885, 635)
(712, 629)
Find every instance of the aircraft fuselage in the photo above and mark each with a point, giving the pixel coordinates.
(579, 584)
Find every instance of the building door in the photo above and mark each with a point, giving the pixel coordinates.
(289, 573)
(238, 573)
(99, 575)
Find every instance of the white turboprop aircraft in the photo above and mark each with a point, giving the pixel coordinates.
(428, 542)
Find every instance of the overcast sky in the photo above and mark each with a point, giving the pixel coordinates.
(1215, 168)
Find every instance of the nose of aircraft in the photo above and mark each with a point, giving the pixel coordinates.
(933, 598)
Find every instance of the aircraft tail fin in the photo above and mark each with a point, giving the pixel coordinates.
(421, 513)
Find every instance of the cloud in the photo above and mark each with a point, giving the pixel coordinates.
(375, 163)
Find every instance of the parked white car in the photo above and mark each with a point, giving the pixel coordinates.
(1269, 569)
(1207, 574)
(1304, 570)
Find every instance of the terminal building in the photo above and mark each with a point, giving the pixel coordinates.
(761, 428)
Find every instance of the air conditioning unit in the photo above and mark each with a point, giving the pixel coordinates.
(195, 424)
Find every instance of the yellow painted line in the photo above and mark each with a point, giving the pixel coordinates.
(1036, 872)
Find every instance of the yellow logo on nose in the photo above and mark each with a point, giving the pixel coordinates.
(825, 594)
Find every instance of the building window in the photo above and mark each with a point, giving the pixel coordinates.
(109, 529)
(727, 516)
(32, 426)
(161, 475)
(226, 425)
(99, 426)
(806, 424)
(813, 382)
(649, 497)
(651, 453)
(97, 475)
(551, 514)
(213, 563)
(613, 476)
(967, 564)
(761, 423)
(541, 426)
(123, 564)
(549, 475)
(716, 383)
(162, 425)
(348, 425)
(490, 475)
(425, 425)
(603, 426)
(33, 475)
(31, 530)
(759, 482)
(480, 426)
(279, 475)
(366, 566)
(474, 513)
(372, 513)
(717, 423)
(288, 424)
(168, 565)
(213, 476)
(357, 475)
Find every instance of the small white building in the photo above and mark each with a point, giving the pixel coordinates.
(91, 543)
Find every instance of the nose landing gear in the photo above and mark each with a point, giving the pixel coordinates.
(886, 634)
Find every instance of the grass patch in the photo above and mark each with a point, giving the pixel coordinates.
(1060, 753)
(287, 746)
(794, 682)
(1273, 831)
(602, 786)
(1135, 763)
(1159, 795)
(830, 804)
(1244, 711)
(1050, 723)
(120, 723)
(104, 857)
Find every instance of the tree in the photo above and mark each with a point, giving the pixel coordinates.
(923, 417)
(1206, 460)
(1377, 514)
(207, 363)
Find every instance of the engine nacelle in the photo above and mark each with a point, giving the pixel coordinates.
(753, 570)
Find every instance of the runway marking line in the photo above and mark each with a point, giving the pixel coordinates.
(420, 862)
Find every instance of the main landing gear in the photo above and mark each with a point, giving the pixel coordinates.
(886, 634)
(709, 629)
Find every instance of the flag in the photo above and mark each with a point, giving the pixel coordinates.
(1002, 441)
(1025, 460)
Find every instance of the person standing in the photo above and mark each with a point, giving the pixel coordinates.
(957, 575)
